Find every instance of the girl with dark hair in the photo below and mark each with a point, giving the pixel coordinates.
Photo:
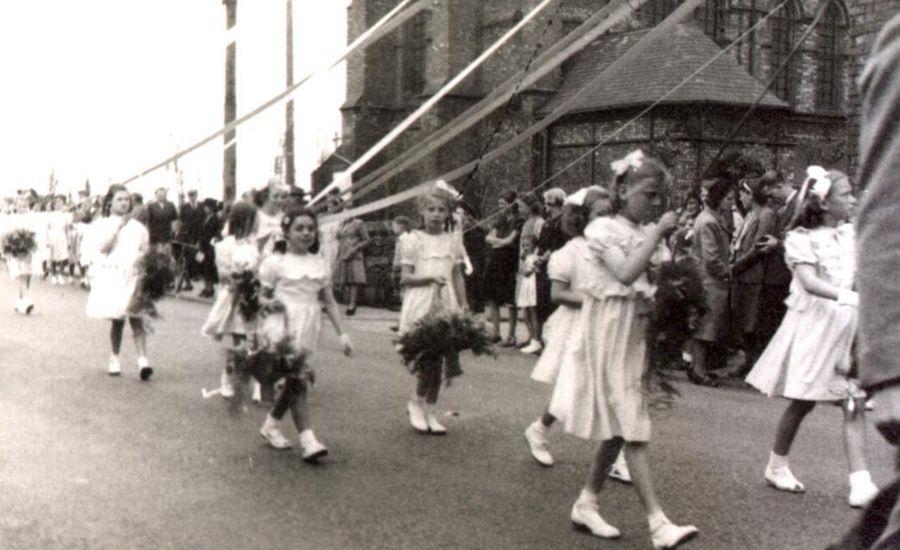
(117, 244)
(808, 359)
(747, 268)
(711, 251)
(606, 400)
(297, 286)
(237, 259)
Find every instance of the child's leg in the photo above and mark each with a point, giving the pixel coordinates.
(494, 317)
(115, 335)
(862, 490)
(789, 424)
(602, 463)
(585, 514)
(529, 323)
(513, 322)
(139, 335)
(636, 457)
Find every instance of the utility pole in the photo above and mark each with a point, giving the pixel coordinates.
(229, 164)
(289, 176)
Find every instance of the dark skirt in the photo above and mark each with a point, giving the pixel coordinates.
(499, 280)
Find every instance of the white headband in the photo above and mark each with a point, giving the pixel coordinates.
(633, 159)
(822, 183)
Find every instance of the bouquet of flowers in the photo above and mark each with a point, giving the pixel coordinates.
(245, 289)
(678, 306)
(155, 277)
(273, 354)
(439, 334)
(19, 243)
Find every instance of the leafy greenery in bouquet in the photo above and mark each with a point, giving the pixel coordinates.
(155, 276)
(19, 243)
(246, 289)
(440, 334)
(678, 306)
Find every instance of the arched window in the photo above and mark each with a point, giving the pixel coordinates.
(413, 49)
(657, 10)
(715, 16)
(830, 59)
(782, 26)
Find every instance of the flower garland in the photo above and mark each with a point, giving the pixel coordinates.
(19, 243)
(679, 304)
(440, 334)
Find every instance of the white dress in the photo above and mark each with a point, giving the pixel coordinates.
(429, 255)
(607, 398)
(232, 256)
(297, 281)
(57, 236)
(810, 350)
(114, 275)
(574, 264)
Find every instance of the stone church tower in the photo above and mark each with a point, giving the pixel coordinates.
(809, 115)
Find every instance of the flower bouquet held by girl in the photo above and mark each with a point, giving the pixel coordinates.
(155, 276)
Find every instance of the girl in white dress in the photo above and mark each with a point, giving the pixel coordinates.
(117, 244)
(572, 269)
(431, 263)
(298, 285)
(58, 224)
(808, 359)
(235, 254)
(607, 400)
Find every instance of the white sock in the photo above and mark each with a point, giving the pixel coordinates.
(306, 437)
(777, 461)
(587, 497)
(143, 362)
(657, 520)
(271, 422)
(539, 427)
(861, 477)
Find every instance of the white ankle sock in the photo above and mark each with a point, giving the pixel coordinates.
(539, 427)
(656, 520)
(587, 497)
(861, 477)
(143, 362)
(306, 437)
(777, 461)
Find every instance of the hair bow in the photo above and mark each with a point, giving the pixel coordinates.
(577, 198)
(822, 183)
(633, 159)
(447, 188)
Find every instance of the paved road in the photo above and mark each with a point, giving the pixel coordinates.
(87, 461)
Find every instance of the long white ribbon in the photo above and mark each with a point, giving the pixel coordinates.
(431, 102)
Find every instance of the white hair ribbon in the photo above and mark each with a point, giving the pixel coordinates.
(822, 184)
(577, 198)
(633, 159)
(447, 188)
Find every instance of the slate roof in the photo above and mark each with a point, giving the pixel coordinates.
(668, 61)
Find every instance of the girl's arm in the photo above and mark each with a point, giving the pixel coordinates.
(628, 268)
(815, 285)
(459, 285)
(326, 295)
(108, 242)
(491, 238)
(408, 277)
(508, 240)
(561, 293)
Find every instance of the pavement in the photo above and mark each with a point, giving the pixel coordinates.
(88, 461)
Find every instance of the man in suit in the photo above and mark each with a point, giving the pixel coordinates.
(191, 219)
(161, 219)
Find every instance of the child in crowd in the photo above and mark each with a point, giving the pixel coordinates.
(526, 290)
(432, 277)
(808, 359)
(237, 259)
(608, 401)
(572, 269)
(117, 244)
(401, 226)
(297, 287)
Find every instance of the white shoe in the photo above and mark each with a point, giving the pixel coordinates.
(585, 517)
(619, 470)
(257, 392)
(273, 435)
(417, 416)
(783, 480)
(862, 494)
(537, 443)
(226, 388)
(434, 427)
(313, 450)
(669, 535)
(533, 346)
(115, 368)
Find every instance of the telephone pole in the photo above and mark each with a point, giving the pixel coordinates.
(229, 164)
(289, 109)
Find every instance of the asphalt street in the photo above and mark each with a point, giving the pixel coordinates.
(88, 461)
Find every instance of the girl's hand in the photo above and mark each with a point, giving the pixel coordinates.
(667, 223)
(346, 344)
(847, 297)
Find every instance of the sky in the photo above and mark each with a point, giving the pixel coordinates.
(103, 89)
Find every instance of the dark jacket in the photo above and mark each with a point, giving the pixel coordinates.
(160, 216)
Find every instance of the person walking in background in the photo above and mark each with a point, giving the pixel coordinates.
(808, 359)
(350, 268)
(501, 267)
(747, 268)
(711, 251)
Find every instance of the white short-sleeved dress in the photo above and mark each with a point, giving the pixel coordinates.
(810, 350)
(429, 255)
(574, 264)
(232, 256)
(607, 398)
(114, 275)
(297, 281)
